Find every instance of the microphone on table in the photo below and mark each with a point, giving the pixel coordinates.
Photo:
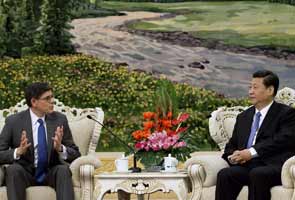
(134, 169)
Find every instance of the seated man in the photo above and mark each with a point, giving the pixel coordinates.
(263, 139)
(38, 144)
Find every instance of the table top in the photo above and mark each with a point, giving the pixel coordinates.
(114, 174)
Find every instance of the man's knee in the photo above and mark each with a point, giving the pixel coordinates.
(14, 169)
(224, 173)
(63, 170)
(258, 175)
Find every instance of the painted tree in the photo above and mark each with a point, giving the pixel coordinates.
(17, 27)
(3, 33)
(53, 34)
(28, 26)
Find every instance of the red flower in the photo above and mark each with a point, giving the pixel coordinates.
(166, 124)
(148, 115)
(169, 115)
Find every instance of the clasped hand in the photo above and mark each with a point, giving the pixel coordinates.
(240, 157)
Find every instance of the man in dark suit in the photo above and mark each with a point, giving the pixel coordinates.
(263, 139)
(38, 144)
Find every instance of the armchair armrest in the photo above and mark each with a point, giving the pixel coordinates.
(82, 174)
(288, 173)
(76, 165)
(203, 169)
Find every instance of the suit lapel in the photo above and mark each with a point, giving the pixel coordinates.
(248, 123)
(268, 118)
(27, 126)
(50, 128)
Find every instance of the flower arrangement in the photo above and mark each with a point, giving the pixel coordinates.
(162, 132)
(158, 133)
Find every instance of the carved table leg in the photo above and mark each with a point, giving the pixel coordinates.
(181, 190)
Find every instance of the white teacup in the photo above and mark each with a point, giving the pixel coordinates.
(121, 165)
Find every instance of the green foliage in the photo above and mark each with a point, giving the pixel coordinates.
(53, 37)
(28, 26)
(3, 33)
(83, 81)
(36, 5)
(9, 21)
(165, 99)
(17, 26)
(20, 20)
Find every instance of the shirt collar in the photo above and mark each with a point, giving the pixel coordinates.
(35, 118)
(264, 110)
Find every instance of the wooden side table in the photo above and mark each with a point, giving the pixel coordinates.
(141, 183)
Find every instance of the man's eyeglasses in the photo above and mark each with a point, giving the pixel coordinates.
(48, 98)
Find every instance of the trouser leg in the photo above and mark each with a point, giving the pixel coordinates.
(60, 178)
(230, 182)
(17, 180)
(261, 179)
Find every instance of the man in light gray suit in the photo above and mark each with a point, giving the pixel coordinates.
(38, 144)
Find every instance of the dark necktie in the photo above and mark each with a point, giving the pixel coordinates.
(42, 153)
(254, 128)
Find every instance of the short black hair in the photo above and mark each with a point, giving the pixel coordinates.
(35, 90)
(269, 79)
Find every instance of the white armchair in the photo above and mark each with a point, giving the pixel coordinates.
(85, 133)
(203, 167)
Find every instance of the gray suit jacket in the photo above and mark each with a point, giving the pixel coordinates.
(11, 135)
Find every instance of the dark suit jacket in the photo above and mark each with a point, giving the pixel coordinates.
(11, 135)
(275, 141)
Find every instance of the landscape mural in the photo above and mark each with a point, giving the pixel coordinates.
(111, 53)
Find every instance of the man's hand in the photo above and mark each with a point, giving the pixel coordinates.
(59, 132)
(241, 156)
(24, 145)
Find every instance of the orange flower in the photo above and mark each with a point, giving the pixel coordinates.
(148, 115)
(146, 133)
(148, 125)
(166, 124)
(137, 135)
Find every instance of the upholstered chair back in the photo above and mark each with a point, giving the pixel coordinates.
(222, 121)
